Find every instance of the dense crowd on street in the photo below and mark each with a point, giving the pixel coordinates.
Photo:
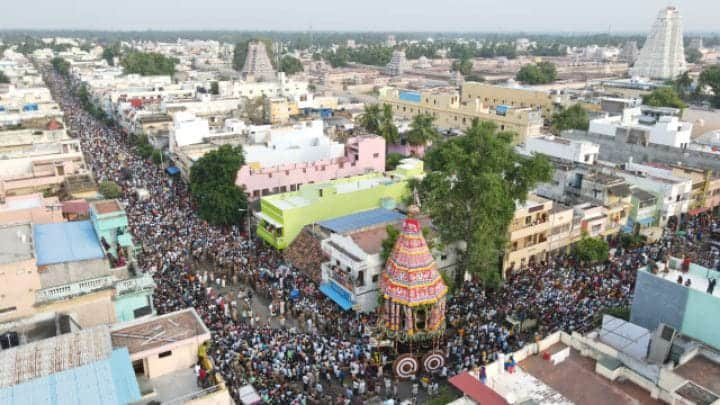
(320, 353)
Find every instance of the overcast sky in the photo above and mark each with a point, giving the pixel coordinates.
(356, 15)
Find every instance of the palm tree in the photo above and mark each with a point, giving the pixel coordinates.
(370, 119)
(422, 130)
(387, 128)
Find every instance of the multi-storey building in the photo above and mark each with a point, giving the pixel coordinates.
(539, 227)
(493, 96)
(451, 111)
(643, 127)
(663, 55)
(283, 216)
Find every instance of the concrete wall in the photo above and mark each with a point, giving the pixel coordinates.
(126, 305)
(88, 310)
(616, 149)
(658, 301)
(182, 357)
(20, 281)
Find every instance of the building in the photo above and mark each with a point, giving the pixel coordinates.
(353, 247)
(452, 112)
(83, 268)
(37, 156)
(685, 307)
(643, 214)
(163, 351)
(257, 62)
(282, 216)
(493, 96)
(539, 227)
(561, 148)
(69, 366)
(673, 193)
(629, 52)
(397, 64)
(277, 111)
(663, 55)
(643, 128)
(362, 154)
(33, 208)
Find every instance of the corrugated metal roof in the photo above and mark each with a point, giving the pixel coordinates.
(66, 242)
(361, 220)
(108, 381)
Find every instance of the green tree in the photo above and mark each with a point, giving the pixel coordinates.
(574, 117)
(61, 66)
(214, 88)
(4, 78)
(392, 160)
(683, 85)
(212, 182)
(110, 52)
(156, 156)
(387, 128)
(471, 191)
(422, 130)
(664, 97)
(693, 55)
(591, 249)
(710, 77)
(290, 65)
(389, 242)
(148, 63)
(109, 189)
(370, 118)
(539, 73)
(464, 66)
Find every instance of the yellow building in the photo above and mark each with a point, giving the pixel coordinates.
(451, 112)
(277, 110)
(538, 228)
(494, 96)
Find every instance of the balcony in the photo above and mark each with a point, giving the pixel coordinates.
(521, 231)
(346, 279)
(72, 290)
(135, 285)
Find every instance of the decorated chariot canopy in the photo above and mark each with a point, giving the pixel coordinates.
(412, 287)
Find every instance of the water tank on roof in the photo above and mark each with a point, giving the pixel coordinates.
(502, 109)
(30, 107)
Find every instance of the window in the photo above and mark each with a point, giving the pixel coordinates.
(528, 220)
(375, 278)
(376, 155)
(165, 354)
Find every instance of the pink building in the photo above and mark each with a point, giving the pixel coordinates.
(362, 154)
(31, 208)
(406, 149)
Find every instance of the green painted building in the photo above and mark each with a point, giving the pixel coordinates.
(282, 216)
(111, 226)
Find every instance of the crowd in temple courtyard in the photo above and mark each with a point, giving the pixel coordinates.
(319, 353)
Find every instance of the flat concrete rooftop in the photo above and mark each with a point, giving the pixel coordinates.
(702, 372)
(576, 380)
(16, 243)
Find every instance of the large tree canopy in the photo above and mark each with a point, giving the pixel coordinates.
(471, 191)
(664, 97)
(148, 64)
(290, 65)
(574, 117)
(422, 130)
(212, 182)
(710, 77)
(539, 73)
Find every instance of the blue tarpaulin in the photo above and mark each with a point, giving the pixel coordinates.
(411, 96)
(172, 170)
(336, 294)
(66, 242)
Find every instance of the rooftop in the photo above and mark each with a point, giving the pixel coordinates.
(360, 220)
(106, 207)
(642, 195)
(699, 277)
(16, 242)
(575, 381)
(66, 242)
(703, 372)
(148, 334)
(45, 357)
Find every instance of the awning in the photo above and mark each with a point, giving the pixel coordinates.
(172, 170)
(332, 292)
(265, 217)
(697, 211)
(476, 390)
